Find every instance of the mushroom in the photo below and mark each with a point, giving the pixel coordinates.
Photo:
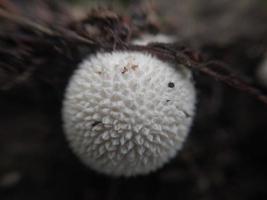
(149, 38)
(128, 113)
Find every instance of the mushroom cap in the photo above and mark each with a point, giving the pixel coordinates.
(127, 113)
(145, 39)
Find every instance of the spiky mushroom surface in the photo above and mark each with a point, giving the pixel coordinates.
(128, 113)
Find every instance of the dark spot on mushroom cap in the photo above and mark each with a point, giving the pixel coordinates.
(134, 67)
(124, 70)
(168, 100)
(95, 123)
(171, 85)
(186, 114)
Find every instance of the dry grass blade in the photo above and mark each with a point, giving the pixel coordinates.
(232, 80)
(21, 20)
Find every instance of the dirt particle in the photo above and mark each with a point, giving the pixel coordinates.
(124, 70)
(96, 123)
(134, 67)
(171, 85)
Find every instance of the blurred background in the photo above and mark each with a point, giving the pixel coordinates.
(224, 156)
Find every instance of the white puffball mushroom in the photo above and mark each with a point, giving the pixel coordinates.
(261, 73)
(145, 39)
(128, 113)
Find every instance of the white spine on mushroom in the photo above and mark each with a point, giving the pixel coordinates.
(149, 38)
(262, 72)
(128, 113)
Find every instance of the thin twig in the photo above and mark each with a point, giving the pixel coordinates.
(164, 52)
